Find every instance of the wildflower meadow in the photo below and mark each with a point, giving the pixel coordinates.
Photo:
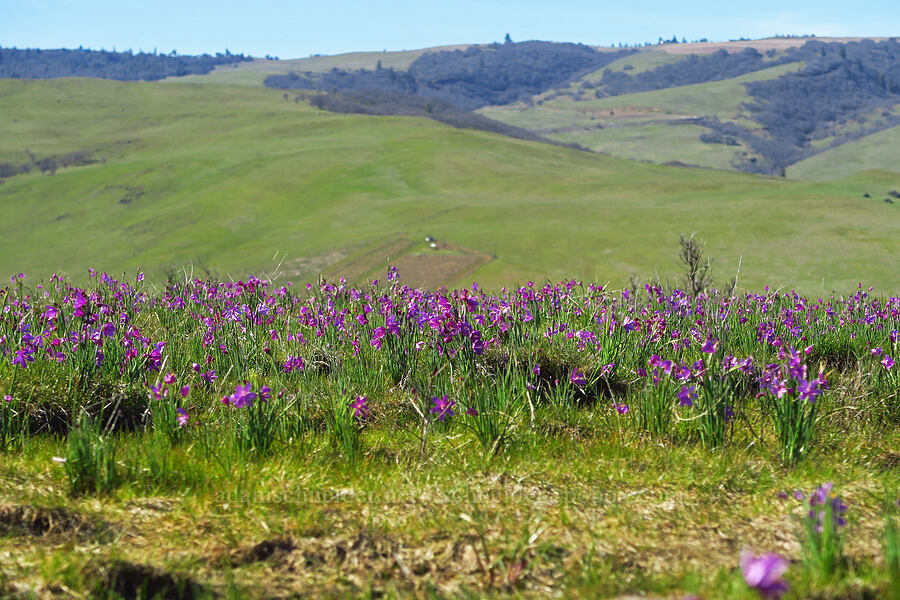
(205, 438)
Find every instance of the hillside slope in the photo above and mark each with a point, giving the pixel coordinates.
(877, 151)
(233, 177)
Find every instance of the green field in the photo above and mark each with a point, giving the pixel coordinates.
(876, 151)
(238, 179)
(653, 142)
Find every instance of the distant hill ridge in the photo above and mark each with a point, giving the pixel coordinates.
(123, 66)
(472, 78)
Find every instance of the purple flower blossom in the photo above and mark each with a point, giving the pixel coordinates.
(763, 573)
(442, 407)
(183, 417)
(169, 378)
(108, 330)
(710, 346)
(265, 393)
(687, 395)
(577, 378)
(360, 408)
(7, 398)
(810, 390)
(293, 363)
(242, 396)
(185, 390)
(23, 357)
(472, 411)
(887, 362)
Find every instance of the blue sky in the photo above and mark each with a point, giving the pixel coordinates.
(300, 28)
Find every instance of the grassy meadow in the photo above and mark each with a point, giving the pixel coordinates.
(241, 440)
(241, 180)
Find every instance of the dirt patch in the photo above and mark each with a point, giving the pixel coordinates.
(41, 522)
(264, 550)
(436, 267)
(131, 580)
(380, 562)
(310, 265)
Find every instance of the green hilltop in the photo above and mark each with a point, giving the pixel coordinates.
(243, 180)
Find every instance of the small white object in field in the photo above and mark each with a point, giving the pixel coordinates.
(432, 245)
(58, 459)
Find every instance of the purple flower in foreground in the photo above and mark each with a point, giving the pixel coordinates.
(360, 409)
(183, 417)
(577, 378)
(7, 398)
(687, 395)
(242, 396)
(185, 390)
(442, 407)
(169, 378)
(887, 362)
(710, 346)
(763, 573)
(108, 330)
(621, 408)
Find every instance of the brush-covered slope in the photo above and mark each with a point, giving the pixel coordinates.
(750, 108)
(238, 179)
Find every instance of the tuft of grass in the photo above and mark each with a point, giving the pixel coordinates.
(91, 459)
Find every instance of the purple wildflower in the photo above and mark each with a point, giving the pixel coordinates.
(763, 573)
(108, 330)
(158, 392)
(577, 378)
(360, 408)
(185, 390)
(442, 407)
(242, 396)
(887, 362)
(687, 395)
(183, 417)
(472, 411)
(169, 378)
(710, 346)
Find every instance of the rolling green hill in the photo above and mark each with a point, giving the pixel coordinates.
(241, 180)
(876, 151)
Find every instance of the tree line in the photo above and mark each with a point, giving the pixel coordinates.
(124, 66)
